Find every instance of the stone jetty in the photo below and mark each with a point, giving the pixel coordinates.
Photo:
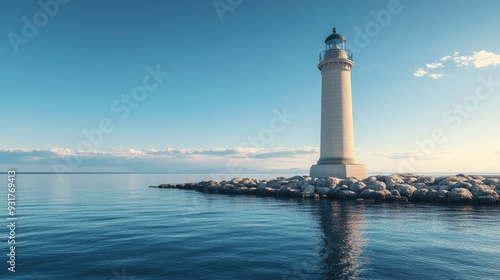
(463, 189)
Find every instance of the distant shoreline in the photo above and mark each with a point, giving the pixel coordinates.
(460, 189)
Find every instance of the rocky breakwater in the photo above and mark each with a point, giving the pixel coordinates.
(402, 187)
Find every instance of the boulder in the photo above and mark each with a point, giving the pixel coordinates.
(296, 178)
(294, 185)
(444, 188)
(236, 180)
(322, 191)
(460, 195)
(266, 191)
(395, 193)
(392, 180)
(331, 182)
(488, 199)
(474, 182)
(357, 187)
(463, 185)
(369, 179)
(420, 186)
(420, 195)
(347, 182)
(347, 194)
(409, 180)
(492, 181)
(431, 195)
(447, 180)
(405, 189)
(428, 180)
(367, 194)
(482, 190)
(308, 189)
(372, 194)
(443, 195)
(376, 186)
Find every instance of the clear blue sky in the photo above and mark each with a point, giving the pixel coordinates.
(231, 66)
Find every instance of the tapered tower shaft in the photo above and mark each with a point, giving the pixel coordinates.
(337, 130)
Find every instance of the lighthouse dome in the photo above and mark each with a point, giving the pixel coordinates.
(335, 41)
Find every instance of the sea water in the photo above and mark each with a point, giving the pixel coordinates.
(112, 226)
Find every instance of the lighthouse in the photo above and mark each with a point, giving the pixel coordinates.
(337, 133)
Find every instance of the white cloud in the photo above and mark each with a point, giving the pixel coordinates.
(435, 76)
(478, 59)
(463, 61)
(445, 58)
(434, 65)
(420, 72)
(485, 58)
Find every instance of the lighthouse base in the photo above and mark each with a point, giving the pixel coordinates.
(339, 171)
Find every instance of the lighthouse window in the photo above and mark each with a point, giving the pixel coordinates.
(336, 44)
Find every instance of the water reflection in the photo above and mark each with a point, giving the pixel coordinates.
(342, 224)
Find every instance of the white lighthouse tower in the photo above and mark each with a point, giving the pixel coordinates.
(337, 134)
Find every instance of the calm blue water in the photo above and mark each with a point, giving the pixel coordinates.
(114, 227)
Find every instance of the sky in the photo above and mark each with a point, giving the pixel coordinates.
(231, 86)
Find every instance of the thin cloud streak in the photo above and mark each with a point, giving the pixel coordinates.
(168, 159)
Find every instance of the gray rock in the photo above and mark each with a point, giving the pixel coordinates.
(376, 186)
(266, 191)
(322, 191)
(492, 181)
(488, 199)
(308, 189)
(297, 178)
(428, 180)
(432, 195)
(460, 195)
(357, 187)
(395, 193)
(447, 180)
(463, 185)
(420, 186)
(377, 195)
(367, 194)
(420, 195)
(409, 180)
(294, 185)
(331, 182)
(444, 188)
(348, 181)
(443, 195)
(347, 194)
(236, 180)
(405, 190)
(474, 182)
(369, 179)
(482, 190)
(392, 180)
